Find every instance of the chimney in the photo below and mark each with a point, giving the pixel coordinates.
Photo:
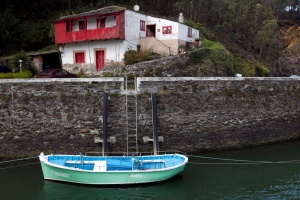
(181, 18)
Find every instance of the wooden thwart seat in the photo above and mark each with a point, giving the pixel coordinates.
(100, 166)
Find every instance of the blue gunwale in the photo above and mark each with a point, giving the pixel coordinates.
(118, 163)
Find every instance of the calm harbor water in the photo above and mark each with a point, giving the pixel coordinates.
(202, 179)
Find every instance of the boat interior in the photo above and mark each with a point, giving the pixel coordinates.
(116, 163)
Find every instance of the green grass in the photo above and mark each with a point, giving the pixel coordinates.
(25, 74)
(212, 45)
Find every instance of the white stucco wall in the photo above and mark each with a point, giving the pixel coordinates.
(133, 32)
(91, 23)
(183, 33)
(110, 21)
(132, 26)
(160, 23)
(132, 29)
(75, 25)
(114, 50)
(179, 30)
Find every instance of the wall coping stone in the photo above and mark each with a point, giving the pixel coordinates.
(214, 78)
(139, 80)
(146, 79)
(62, 80)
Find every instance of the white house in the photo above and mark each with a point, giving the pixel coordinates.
(91, 40)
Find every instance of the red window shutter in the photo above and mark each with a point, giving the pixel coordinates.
(142, 25)
(79, 57)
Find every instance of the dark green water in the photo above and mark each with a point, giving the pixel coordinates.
(199, 180)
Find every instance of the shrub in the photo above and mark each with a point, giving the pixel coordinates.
(262, 70)
(211, 50)
(109, 74)
(144, 55)
(25, 62)
(81, 74)
(241, 66)
(23, 74)
(33, 70)
(198, 55)
(131, 57)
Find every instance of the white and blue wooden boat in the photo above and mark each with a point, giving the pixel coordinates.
(109, 170)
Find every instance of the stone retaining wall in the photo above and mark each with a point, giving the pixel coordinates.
(219, 113)
(194, 114)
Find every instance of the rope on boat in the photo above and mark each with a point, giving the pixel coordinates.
(7, 161)
(241, 162)
(18, 166)
(200, 163)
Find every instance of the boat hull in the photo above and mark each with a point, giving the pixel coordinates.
(52, 172)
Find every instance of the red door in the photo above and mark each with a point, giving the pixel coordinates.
(99, 60)
(150, 32)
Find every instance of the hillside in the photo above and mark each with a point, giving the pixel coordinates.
(289, 58)
(254, 38)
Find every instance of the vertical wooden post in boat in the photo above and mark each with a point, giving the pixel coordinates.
(105, 121)
(155, 124)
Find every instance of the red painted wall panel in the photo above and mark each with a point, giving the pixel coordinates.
(117, 32)
(121, 24)
(60, 32)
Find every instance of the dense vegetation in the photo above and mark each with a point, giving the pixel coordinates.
(248, 28)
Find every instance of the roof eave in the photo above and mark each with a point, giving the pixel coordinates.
(85, 17)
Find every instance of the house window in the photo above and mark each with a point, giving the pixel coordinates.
(167, 29)
(101, 23)
(82, 25)
(79, 57)
(69, 26)
(189, 32)
(142, 25)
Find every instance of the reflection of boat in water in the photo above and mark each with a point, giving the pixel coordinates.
(105, 170)
(168, 189)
